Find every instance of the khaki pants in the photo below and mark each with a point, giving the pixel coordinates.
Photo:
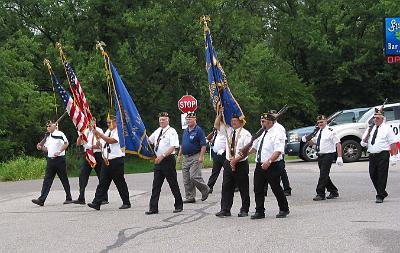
(192, 179)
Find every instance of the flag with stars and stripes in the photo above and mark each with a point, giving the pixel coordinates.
(77, 91)
(78, 118)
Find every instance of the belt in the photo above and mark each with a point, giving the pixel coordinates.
(377, 154)
(323, 154)
(53, 158)
(189, 155)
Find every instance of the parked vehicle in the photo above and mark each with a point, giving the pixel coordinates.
(307, 152)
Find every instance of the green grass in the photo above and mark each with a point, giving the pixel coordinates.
(27, 167)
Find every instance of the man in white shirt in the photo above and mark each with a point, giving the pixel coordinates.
(165, 140)
(217, 142)
(236, 167)
(55, 145)
(113, 166)
(382, 140)
(93, 144)
(327, 145)
(269, 149)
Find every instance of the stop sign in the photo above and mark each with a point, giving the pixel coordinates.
(187, 104)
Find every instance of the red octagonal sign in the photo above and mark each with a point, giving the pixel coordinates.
(187, 104)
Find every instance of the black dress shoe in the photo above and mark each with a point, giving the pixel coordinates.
(94, 206)
(379, 200)
(282, 214)
(256, 216)
(38, 202)
(79, 201)
(318, 198)
(178, 210)
(125, 206)
(288, 193)
(68, 201)
(188, 201)
(104, 202)
(222, 214)
(243, 214)
(151, 212)
(333, 195)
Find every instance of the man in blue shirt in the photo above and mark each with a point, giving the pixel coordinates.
(193, 149)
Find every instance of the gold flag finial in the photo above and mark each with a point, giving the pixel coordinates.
(205, 19)
(100, 46)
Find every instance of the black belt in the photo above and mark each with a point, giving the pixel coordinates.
(189, 155)
(378, 154)
(271, 163)
(56, 157)
(323, 154)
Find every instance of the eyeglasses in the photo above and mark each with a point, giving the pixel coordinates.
(320, 122)
(48, 126)
(109, 122)
(163, 114)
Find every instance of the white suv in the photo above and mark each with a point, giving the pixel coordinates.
(350, 134)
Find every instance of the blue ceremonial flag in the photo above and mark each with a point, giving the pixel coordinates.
(131, 129)
(218, 85)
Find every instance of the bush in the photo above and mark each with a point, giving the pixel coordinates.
(22, 168)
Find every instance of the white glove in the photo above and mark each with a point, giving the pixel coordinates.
(339, 161)
(398, 156)
(303, 139)
(392, 160)
(363, 144)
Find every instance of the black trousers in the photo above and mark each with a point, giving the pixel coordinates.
(113, 172)
(239, 177)
(218, 163)
(324, 181)
(55, 166)
(285, 181)
(378, 172)
(270, 176)
(85, 173)
(166, 169)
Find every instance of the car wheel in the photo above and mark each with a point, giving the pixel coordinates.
(308, 153)
(351, 151)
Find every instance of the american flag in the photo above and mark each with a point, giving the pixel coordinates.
(78, 118)
(77, 91)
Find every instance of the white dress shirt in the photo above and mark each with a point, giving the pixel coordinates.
(115, 148)
(54, 142)
(384, 138)
(92, 139)
(219, 143)
(169, 137)
(274, 140)
(328, 140)
(242, 138)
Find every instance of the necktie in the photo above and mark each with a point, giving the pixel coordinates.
(107, 145)
(260, 147)
(213, 138)
(319, 140)
(374, 136)
(158, 141)
(233, 143)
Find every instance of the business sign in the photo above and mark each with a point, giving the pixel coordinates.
(392, 37)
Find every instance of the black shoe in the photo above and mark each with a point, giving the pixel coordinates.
(256, 216)
(287, 193)
(243, 214)
(151, 212)
(68, 201)
(379, 200)
(333, 195)
(178, 210)
(210, 191)
(282, 214)
(38, 202)
(125, 206)
(204, 197)
(222, 214)
(104, 202)
(79, 201)
(188, 201)
(318, 198)
(94, 206)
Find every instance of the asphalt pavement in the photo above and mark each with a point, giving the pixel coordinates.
(351, 223)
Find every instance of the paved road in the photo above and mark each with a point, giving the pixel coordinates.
(352, 223)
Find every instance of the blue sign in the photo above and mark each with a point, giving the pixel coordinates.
(392, 33)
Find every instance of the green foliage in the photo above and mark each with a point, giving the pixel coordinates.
(22, 168)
